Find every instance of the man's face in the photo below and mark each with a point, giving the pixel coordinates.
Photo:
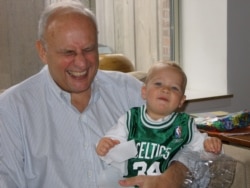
(71, 52)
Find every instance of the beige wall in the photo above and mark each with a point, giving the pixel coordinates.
(18, 28)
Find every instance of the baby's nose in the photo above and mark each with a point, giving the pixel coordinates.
(165, 89)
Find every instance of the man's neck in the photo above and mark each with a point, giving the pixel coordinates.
(80, 100)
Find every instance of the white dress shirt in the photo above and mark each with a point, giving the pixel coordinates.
(45, 142)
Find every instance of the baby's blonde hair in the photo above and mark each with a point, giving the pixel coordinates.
(170, 64)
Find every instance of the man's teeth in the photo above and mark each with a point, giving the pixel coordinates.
(77, 73)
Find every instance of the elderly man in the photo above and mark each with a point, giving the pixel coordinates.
(50, 123)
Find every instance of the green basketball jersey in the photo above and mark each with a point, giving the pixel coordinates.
(156, 143)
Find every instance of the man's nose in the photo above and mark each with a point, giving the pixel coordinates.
(80, 60)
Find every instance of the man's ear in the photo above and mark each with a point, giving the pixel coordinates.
(182, 101)
(41, 51)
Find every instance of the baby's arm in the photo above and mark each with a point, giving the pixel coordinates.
(104, 145)
(213, 145)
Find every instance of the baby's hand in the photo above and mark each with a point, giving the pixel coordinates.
(104, 145)
(213, 145)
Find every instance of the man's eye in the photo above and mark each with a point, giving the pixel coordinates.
(69, 53)
(90, 49)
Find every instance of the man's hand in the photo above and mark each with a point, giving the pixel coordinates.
(173, 177)
(144, 182)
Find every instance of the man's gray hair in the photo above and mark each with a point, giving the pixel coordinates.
(68, 6)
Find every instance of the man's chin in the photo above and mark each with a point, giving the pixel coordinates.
(79, 90)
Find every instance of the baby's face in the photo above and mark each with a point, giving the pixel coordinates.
(163, 91)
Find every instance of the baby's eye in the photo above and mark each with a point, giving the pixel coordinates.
(175, 88)
(158, 84)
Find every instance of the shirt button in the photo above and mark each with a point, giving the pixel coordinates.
(89, 173)
(86, 146)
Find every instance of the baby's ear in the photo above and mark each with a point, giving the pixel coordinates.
(143, 92)
(182, 101)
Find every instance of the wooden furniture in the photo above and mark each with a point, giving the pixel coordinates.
(239, 137)
(117, 62)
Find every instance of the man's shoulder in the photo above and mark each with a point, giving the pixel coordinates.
(117, 78)
(24, 88)
(122, 88)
